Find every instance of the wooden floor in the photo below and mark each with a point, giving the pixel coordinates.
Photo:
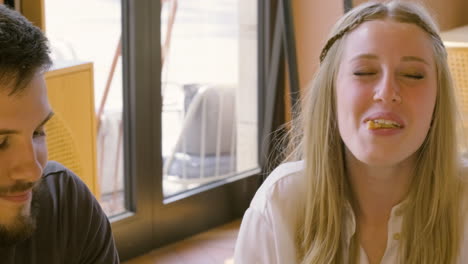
(215, 246)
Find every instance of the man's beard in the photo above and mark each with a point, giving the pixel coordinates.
(23, 226)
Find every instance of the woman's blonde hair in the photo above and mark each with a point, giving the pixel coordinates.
(430, 231)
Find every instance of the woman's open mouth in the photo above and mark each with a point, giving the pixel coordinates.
(382, 124)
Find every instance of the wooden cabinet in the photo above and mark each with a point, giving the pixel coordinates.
(73, 142)
(34, 10)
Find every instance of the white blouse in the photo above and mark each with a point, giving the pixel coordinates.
(267, 231)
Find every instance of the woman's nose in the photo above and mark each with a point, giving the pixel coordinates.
(387, 90)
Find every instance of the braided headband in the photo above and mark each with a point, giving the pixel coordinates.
(340, 34)
(365, 17)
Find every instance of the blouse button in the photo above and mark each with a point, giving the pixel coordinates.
(396, 236)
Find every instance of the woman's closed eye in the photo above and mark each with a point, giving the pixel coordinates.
(364, 73)
(415, 76)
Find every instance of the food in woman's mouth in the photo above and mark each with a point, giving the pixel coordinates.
(382, 123)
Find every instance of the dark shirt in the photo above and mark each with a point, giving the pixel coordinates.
(71, 226)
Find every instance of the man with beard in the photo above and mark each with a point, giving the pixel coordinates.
(47, 215)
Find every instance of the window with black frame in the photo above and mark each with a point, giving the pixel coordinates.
(209, 90)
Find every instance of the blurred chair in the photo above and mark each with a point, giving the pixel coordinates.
(458, 64)
(61, 145)
(206, 147)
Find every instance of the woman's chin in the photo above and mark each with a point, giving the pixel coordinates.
(385, 160)
(379, 158)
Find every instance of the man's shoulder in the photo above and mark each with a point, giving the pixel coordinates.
(63, 184)
(283, 185)
(53, 167)
(56, 172)
(71, 219)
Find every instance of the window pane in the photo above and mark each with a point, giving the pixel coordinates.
(209, 89)
(90, 31)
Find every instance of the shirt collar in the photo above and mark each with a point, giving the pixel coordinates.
(394, 223)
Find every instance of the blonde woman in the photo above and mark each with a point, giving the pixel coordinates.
(377, 177)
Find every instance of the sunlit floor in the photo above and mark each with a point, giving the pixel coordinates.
(215, 246)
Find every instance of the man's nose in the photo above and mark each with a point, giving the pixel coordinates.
(25, 163)
(387, 90)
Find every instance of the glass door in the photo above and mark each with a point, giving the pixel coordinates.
(209, 91)
(209, 114)
(176, 101)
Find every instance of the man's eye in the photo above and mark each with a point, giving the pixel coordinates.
(3, 143)
(39, 133)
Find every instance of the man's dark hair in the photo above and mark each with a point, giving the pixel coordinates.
(24, 50)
